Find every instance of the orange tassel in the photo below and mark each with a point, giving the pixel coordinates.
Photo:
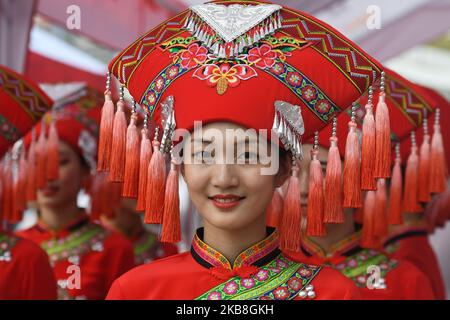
(106, 133)
(274, 211)
(117, 164)
(20, 201)
(52, 153)
(144, 161)
(171, 228)
(438, 168)
(291, 219)
(333, 212)
(31, 172)
(368, 237)
(131, 175)
(352, 169)
(7, 190)
(410, 195)
(395, 200)
(315, 225)
(383, 139)
(424, 170)
(368, 148)
(41, 159)
(381, 224)
(156, 179)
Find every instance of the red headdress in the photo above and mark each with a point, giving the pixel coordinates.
(253, 63)
(22, 104)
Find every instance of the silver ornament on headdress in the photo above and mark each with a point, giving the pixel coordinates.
(288, 125)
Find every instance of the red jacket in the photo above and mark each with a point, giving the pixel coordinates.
(398, 280)
(260, 272)
(86, 258)
(411, 244)
(25, 273)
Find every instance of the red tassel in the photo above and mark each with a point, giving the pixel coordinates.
(368, 237)
(41, 159)
(106, 133)
(424, 170)
(31, 172)
(52, 153)
(315, 225)
(333, 212)
(131, 175)
(156, 179)
(438, 168)
(352, 169)
(381, 224)
(7, 190)
(368, 148)
(395, 200)
(144, 161)
(383, 139)
(275, 210)
(171, 229)
(410, 195)
(117, 164)
(291, 219)
(20, 201)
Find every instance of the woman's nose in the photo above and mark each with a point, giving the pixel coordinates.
(224, 176)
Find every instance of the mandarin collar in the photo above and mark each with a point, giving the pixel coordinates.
(257, 255)
(345, 247)
(76, 224)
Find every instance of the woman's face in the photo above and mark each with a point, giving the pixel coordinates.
(227, 186)
(72, 176)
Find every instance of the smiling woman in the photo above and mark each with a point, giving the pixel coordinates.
(257, 75)
(85, 257)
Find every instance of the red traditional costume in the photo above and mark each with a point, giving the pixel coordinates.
(357, 254)
(399, 280)
(25, 272)
(83, 248)
(277, 69)
(409, 241)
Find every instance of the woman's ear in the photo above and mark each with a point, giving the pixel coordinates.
(284, 170)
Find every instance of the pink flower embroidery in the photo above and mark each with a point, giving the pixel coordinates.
(278, 68)
(294, 284)
(281, 293)
(151, 99)
(352, 263)
(309, 93)
(214, 296)
(361, 279)
(323, 107)
(281, 264)
(172, 72)
(224, 75)
(305, 272)
(159, 84)
(193, 56)
(263, 57)
(230, 288)
(248, 283)
(262, 275)
(294, 79)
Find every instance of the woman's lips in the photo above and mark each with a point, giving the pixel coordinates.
(50, 191)
(226, 201)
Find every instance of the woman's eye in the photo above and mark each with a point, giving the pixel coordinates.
(202, 156)
(63, 161)
(249, 157)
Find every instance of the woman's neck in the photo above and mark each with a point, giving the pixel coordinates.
(59, 217)
(336, 232)
(231, 243)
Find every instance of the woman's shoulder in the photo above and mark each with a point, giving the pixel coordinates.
(132, 284)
